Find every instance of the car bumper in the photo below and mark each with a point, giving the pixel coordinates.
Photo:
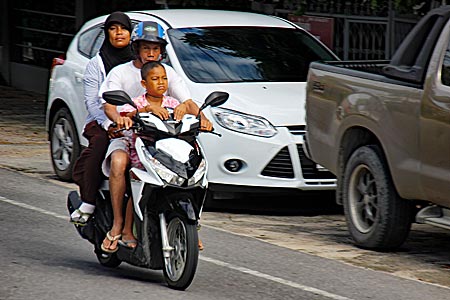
(276, 162)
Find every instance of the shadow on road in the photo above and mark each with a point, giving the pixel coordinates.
(294, 204)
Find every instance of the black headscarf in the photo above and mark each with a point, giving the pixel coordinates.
(111, 55)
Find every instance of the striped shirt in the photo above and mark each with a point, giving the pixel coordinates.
(94, 75)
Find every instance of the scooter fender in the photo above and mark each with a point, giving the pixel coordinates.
(184, 208)
(137, 186)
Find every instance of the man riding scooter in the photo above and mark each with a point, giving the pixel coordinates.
(148, 45)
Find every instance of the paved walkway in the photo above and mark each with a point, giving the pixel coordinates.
(23, 135)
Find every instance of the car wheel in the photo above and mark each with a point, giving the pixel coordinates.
(377, 218)
(64, 144)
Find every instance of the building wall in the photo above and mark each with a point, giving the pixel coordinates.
(33, 32)
(4, 43)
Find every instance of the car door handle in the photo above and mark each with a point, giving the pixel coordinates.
(78, 77)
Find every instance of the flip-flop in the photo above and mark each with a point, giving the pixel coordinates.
(112, 239)
(128, 243)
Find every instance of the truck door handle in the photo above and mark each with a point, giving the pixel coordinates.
(340, 112)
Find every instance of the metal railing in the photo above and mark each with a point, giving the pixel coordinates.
(365, 30)
(39, 35)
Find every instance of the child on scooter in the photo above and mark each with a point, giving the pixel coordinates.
(154, 80)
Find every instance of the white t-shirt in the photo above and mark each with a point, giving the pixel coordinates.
(127, 77)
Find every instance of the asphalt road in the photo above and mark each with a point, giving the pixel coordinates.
(292, 223)
(43, 257)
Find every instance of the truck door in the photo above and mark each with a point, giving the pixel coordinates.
(435, 133)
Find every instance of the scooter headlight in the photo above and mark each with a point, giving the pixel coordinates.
(162, 171)
(243, 123)
(198, 174)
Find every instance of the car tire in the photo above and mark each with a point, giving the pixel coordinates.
(64, 144)
(377, 218)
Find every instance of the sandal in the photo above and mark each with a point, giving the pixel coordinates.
(80, 220)
(131, 244)
(112, 239)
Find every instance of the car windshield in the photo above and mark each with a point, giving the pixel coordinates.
(237, 54)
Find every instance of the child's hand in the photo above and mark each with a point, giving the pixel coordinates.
(158, 111)
(179, 111)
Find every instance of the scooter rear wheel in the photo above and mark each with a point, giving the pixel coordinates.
(108, 260)
(179, 268)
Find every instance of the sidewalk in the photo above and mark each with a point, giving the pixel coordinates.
(23, 135)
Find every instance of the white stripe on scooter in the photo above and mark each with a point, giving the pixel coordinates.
(205, 258)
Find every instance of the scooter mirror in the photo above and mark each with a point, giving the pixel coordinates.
(215, 99)
(118, 98)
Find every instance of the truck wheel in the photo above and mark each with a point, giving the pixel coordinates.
(377, 218)
(64, 144)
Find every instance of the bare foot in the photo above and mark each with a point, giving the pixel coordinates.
(128, 240)
(200, 244)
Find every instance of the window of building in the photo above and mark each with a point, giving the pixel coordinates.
(41, 31)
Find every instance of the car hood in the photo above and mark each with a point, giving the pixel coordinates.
(280, 103)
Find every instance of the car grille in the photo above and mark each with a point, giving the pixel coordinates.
(297, 130)
(280, 165)
(309, 168)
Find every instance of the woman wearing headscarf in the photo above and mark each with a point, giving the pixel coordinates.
(87, 173)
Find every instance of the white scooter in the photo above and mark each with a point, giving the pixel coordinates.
(168, 196)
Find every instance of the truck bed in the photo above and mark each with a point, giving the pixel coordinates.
(368, 69)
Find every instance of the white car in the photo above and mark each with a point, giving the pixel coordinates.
(261, 61)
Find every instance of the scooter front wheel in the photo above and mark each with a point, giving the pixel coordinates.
(180, 266)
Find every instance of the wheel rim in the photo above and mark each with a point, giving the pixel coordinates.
(363, 199)
(176, 263)
(62, 144)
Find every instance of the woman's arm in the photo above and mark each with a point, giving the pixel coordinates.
(92, 80)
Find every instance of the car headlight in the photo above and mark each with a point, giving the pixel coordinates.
(167, 175)
(243, 123)
(198, 174)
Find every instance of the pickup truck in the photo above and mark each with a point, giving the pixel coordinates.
(383, 128)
